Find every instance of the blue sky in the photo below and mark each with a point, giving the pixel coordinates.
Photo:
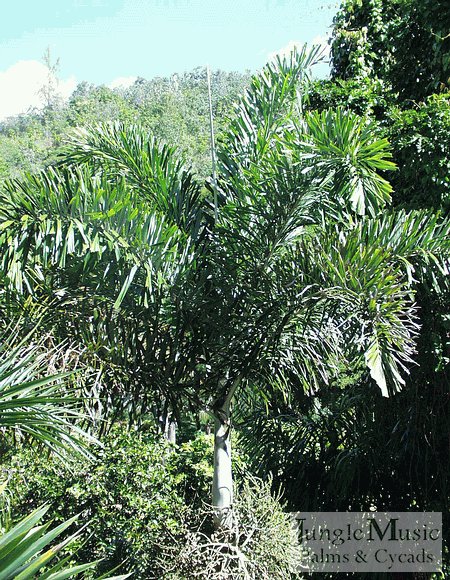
(104, 40)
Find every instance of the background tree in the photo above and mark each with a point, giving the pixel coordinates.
(390, 62)
(174, 109)
(419, 138)
(404, 44)
(49, 91)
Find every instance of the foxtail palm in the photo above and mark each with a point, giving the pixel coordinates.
(312, 277)
(301, 266)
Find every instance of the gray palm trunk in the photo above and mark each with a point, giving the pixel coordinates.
(222, 488)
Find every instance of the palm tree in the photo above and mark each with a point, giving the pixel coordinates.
(314, 266)
(303, 264)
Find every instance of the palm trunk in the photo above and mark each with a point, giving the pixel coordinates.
(222, 489)
(171, 431)
(167, 423)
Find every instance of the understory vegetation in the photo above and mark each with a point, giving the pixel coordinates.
(146, 505)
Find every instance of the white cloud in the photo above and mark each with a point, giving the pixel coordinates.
(67, 87)
(321, 40)
(122, 82)
(20, 84)
(286, 51)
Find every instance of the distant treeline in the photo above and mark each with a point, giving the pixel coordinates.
(175, 109)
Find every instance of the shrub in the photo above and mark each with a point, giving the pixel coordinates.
(133, 495)
(146, 502)
(257, 548)
(420, 138)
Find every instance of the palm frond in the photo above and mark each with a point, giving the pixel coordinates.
(22, 553)
(36, 405)
(341, 150)
(154, 171)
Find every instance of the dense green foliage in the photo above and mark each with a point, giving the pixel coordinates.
(305, 283)
(136, 495)
(418, 135)
(420, 139)
(145, 504)
(364, 96)
(405, 44)
(391, 61)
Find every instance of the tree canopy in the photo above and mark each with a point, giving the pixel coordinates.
(404, 44)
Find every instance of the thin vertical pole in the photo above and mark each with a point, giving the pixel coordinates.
(213, 147)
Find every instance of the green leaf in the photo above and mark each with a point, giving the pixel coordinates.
(374, 361)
